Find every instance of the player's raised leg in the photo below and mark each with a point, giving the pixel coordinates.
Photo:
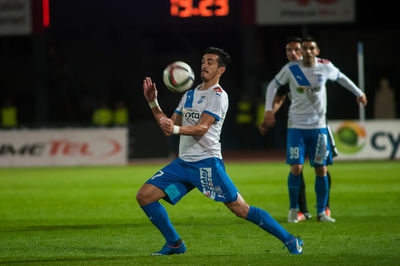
(264, 220)
(148, 198)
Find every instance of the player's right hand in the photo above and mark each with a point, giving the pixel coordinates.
(149, 90)
(263, 128)
(167, 126)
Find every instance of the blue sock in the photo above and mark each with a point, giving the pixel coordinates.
(159, 217)
(266, 222)
(322, 190)
(294, 183)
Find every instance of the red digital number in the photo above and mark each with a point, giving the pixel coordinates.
(184, 8)
(187, 8)
(223, 9)
(174, 9)
(203, 7)
(181, 8)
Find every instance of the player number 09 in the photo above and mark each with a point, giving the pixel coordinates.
(294, 152)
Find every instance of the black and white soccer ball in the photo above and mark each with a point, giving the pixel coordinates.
(178, 77)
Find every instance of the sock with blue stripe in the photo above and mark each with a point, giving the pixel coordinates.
(322, 190)
(264, 220)
(159, 217)
(294, 184)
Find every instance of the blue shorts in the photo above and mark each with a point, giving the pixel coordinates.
(312, 142)
(208, 175)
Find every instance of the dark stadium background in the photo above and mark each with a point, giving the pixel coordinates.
(101, 51)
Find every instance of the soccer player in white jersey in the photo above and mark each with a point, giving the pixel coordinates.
(198, 120)
(307, 130)
(293, 53)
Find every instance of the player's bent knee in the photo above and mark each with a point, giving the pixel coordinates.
(148, 194)
(296, 169)
(321, 171)
(141, 197)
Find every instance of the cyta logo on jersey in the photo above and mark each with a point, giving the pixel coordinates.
(308, 90)
(192, 115)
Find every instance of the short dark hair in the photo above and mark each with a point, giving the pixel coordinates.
(293, 39)
(223, 57)
(308, 38)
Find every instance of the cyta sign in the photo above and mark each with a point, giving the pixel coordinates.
(394, 142)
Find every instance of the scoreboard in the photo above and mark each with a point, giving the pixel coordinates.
(204, 8)
(143, 14)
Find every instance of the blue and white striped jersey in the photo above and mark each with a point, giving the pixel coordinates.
(213, 101)
(308, 91)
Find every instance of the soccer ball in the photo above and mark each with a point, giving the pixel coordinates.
(178, 77)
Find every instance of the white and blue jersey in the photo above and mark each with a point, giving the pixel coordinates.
(308, 91)
(307, 128)
(200, 161)
(213, 101)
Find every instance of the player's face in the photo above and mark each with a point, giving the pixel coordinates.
(309, 50)
(293, 51)
(209, 67)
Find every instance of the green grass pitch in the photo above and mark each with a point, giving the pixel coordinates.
(89, 216)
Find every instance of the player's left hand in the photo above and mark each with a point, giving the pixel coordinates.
(167, 125)
(269, 118)
(362, 99)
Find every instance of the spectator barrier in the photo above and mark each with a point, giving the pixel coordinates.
(62, 147)
(369, 140)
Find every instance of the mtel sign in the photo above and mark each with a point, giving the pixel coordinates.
(60, 147)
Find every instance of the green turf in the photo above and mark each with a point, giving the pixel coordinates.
(89, 216)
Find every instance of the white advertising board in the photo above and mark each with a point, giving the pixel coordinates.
(62, 147)
(372, 139)
(273, 12)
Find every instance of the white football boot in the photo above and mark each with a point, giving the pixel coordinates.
(292, 218)
(322, 217)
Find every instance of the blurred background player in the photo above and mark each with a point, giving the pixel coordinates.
(200, 161)
(307, 128)
(293, 53)
(9, 114)
(102, 115)
(385, 100)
